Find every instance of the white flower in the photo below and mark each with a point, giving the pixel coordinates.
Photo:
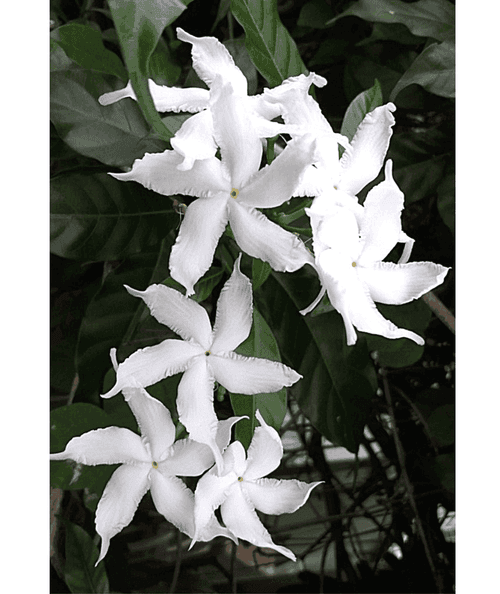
(194, 140)
(229, 190)
(203, 355)
(349, 261)
(151, 462)
(241, 489)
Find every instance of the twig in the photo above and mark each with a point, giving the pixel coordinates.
(178, 561)
(409, 487)
(441, 311)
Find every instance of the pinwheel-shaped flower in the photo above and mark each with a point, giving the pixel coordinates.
(229, 190)
(203, 355)
(241, 489)
(153, 462)
(349, 261)
(194, 140)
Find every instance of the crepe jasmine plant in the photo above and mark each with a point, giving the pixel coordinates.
(349, 261)
(204, 355)
(152, 462)
(229, 190)
(241, 489)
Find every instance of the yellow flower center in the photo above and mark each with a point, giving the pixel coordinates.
(155, 464)
(240, 478)
(234, 193)
(354, 264)
(207, 353)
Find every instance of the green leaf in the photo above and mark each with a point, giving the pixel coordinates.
(139, 26)
(364, 103)
(71, 421)
(163, 69)
(395, 32)
(262, 344)
(425, 18)
(115, 135)
(433, 69)
(315, 14)
(239, 52)
(401, 352)
(260, 273)
(80, 574)
(96, 217)
(272, 49)
(84, 46)
(113, 315)
(338, 382)
(203, 288)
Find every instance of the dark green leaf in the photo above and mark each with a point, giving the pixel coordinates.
(112, 316)
(262, 344)
(71, 421)
(425, 18)
(81, 554)
(116, 134)
(260, 272)
(395, 32)
(433, 69)
(446, 200)
(364, 103)
(239, 52)
(315, 14)
(338, 381)
(269, 44)
(96, 217)
(139, 26)
(203, 288)
(163, 69)
(83, 44)
(401, 352)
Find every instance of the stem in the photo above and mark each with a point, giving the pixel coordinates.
(178, 561)
(441, 311)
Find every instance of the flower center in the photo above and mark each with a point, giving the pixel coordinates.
(354, 264)
(240, 479)
(207, 353)
(234, 193)
(154, 464)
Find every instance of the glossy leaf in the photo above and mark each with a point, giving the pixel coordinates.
(272, 49)
(112, 316)
(315, 14)
(338, 381)
(71, 421)
(261, 343)
(433, 69)
(364, 103)
(115, 135)
(425, 18)
(96, 217)
(163, 68)
(83, 45)
(260, 272)
(81, 555)
(139, 26)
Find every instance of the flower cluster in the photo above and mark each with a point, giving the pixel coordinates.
(350, 242)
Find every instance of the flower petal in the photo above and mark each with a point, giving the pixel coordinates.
(211, 58)
(174, 501)
(381, 223)
(233, 320)
(155, 422)
(223, 436)
(165, 98)
(210, 492)
(265, 451)
(119, 501)
(184, 316)
(275, 497)
(195, 405)
(250, 375)
(260, 238)
(201, 228)
(240, 517)
(275, 184)
(195, 139)
(400, 283)
(361, 163)
(148, 366)
(159, 172)
(240, 146)
(187, 458)
(111, 445)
